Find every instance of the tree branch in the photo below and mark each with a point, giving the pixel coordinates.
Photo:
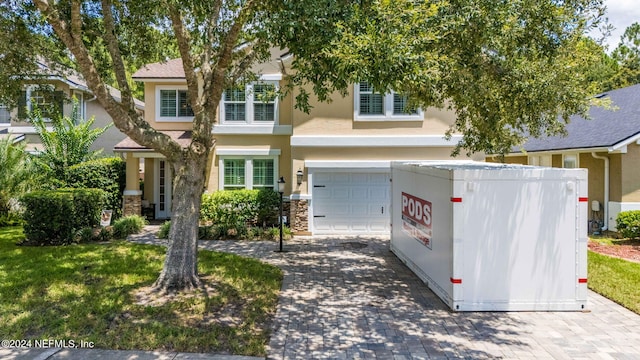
(116, 56)
(133, 127)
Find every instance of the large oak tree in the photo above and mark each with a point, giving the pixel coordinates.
(508, 68)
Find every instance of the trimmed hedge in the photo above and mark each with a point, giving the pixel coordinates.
(234, 208)
(628, 223)
(107, 174)
(53, 217)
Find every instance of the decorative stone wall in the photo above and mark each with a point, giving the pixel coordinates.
(132, 205)
(299, 215)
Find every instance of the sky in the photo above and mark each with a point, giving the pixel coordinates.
(621, 14)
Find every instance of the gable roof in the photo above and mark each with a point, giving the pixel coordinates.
(74, 80)
(611, 128)
(172, 69)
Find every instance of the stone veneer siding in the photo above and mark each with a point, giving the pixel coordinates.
(132, 205)
(299, 216)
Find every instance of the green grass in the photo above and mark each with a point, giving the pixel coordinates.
(615, 279)
(87, 293)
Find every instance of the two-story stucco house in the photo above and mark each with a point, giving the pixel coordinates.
(52, 87)
(335, 160)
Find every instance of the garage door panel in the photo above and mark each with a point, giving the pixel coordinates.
(350, 203)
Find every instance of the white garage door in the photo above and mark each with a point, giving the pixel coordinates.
(350, 203)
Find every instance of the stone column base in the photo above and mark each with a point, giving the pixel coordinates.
(132, 204)
(299, 216)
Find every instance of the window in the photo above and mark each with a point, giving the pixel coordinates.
(570, 161)
(45, 98)
(234, 174)
(173, 104)
(540, 160)
(372, 106)
(248, 173)
(5, 114)
(255, 103)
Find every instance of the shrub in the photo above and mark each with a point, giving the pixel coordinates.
(107, 174)
(163, 233)
(273, 233)
(128, 225)
(53, 217)
(12, 218)
(628, 223)
(235, 207)
(84, 235)
(105, 234)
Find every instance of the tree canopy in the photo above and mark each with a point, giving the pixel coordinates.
(508, 68)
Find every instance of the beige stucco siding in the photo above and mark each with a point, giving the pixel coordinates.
(630, 179)
(302, 154)
(615, 183)
(150, 108)
(595, 178)
(337, 118)
(110, 137)
(248, 143)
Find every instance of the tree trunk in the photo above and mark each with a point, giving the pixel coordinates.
(180, 271)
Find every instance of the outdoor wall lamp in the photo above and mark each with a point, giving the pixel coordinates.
(299, 176)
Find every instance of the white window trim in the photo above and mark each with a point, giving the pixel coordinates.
(387, 109)
(158, 103)
(576, 155)
(248, 100)
(248, 169)
(28, 91)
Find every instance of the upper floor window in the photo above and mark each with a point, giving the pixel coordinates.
(172, 104)
(50, 102)
(372, 106)
(5, 114)
(254, 103)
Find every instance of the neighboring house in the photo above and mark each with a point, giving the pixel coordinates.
(61, 89)
(608, 145)
(335, 160)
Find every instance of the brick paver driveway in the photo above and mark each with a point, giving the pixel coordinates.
(350, 297)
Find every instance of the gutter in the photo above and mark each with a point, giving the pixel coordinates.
(605, 224)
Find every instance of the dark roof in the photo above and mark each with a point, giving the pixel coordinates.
(181, 137)
(606, 128)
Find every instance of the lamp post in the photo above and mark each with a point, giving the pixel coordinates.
(281, 191)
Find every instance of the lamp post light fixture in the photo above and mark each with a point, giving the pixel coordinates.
(281, 183)
(299, 176)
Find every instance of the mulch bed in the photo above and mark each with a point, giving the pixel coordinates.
(625, 249)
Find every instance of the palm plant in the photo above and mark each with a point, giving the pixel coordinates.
(67, 143)
(15, 173)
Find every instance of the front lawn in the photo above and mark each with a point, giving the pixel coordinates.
(616, 279)
(87, 293)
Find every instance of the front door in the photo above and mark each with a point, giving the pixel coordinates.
(163, 189)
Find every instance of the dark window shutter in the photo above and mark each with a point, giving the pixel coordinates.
(58, 104)
(22, 105)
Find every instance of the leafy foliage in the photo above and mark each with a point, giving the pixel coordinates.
(53, 217)
(628, 223)
(68, 143)
(107, 174)
(240, 207)
(128, 225)
(627, 56)
(15, 174)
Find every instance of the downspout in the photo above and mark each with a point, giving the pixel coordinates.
(605, 225)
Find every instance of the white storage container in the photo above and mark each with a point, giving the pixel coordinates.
(489, 236)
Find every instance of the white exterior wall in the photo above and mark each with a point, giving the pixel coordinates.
(616, 208)
(501, 237)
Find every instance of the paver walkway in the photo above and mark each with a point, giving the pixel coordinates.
(350, 298)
